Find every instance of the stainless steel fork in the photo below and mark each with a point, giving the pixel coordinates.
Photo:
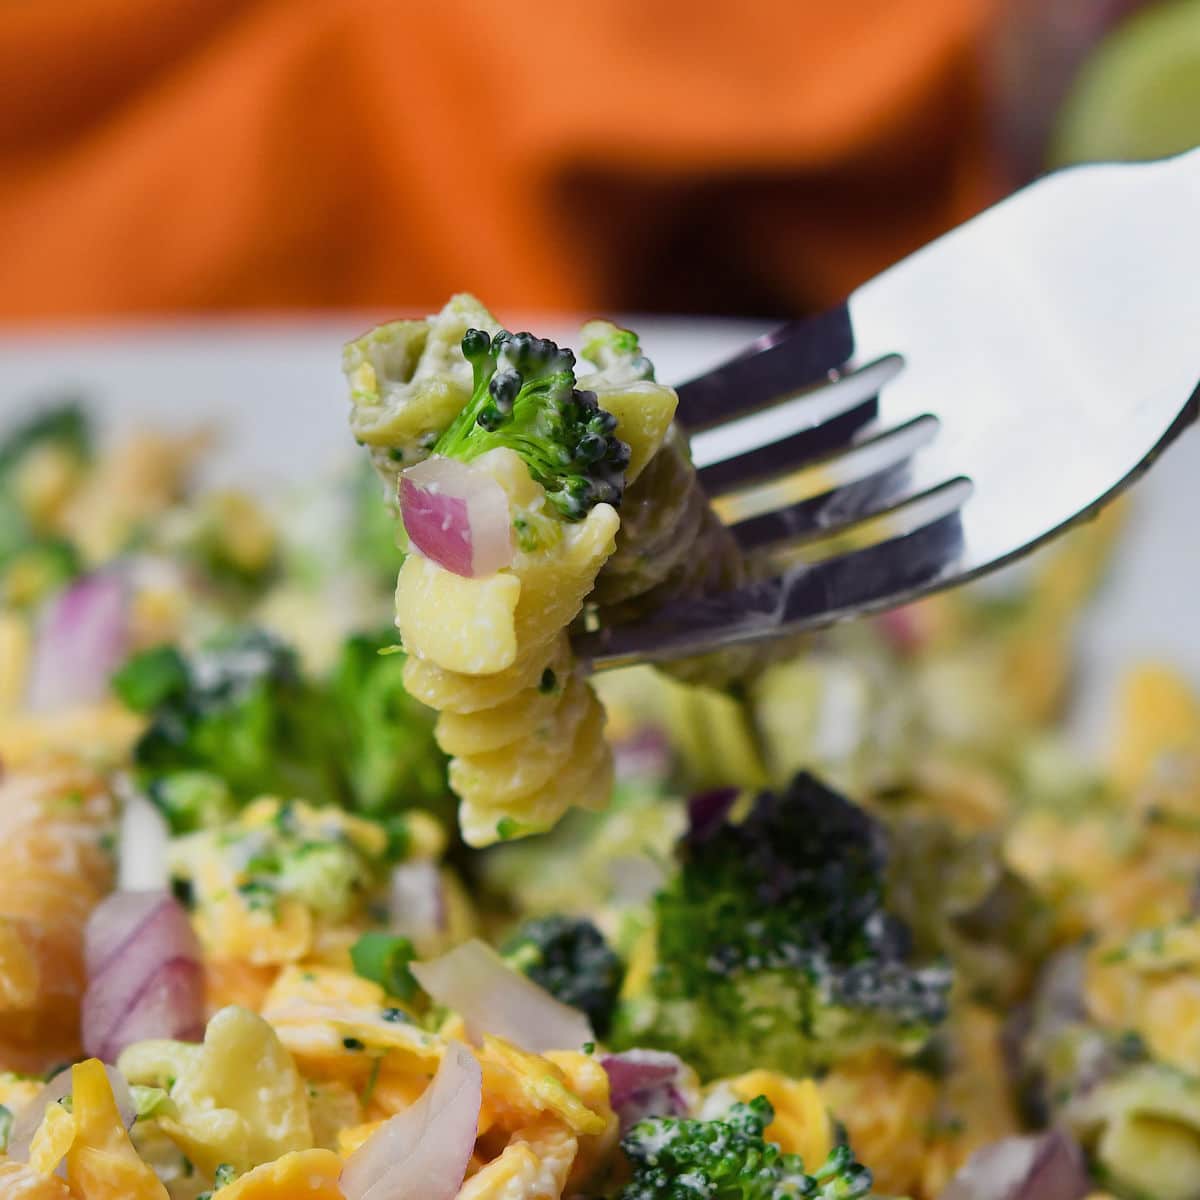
(971, 402)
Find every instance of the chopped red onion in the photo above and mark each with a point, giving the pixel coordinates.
(457, 516)
(645, 1083)
(708, 811)
(31, 1116)
(475, 982)
(145, 978)
(417, 904)
(422, 1153)
(81, 639)
(906, 629)
(1046, 1166)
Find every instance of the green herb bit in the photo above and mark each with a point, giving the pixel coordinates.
(384, 958)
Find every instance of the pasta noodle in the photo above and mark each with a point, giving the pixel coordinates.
(526, 732)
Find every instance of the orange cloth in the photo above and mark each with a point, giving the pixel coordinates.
(585, 154)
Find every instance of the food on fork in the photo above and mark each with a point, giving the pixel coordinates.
(510, 474)
(899, 940)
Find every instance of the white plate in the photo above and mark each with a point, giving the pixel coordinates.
(275, 387)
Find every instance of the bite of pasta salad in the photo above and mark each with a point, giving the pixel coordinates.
(325, 871)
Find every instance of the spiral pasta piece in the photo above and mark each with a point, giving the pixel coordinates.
(526, 732)
(54, 869)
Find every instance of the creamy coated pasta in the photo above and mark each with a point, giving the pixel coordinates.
(900, 940)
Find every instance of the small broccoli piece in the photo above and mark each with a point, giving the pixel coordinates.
(33, 561)
(569, 957)
(615, 352)
(390, 758)
(239, 711)
(327, 877)
(524, 398)
(192, 800)
(65, 426)
(728, 1159)
(774, 946)
(241, 720)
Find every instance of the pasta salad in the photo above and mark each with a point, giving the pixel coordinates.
(325, 871)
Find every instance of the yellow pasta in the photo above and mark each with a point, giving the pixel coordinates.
(525, 730)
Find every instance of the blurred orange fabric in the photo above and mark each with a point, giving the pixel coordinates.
(613, 154)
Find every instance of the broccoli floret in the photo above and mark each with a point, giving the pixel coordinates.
(390, 758)
(615, 352)
(524, 398)
(65, 425)
(241, 720)
(328, 877)
(34, 562)
(728, 1159)
(773, 945)
(569, 957)
(35, 568)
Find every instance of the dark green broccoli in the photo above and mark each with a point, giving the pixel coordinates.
(389, 757)
(524, 398)
(569, 957)
(773, 945)
(241, 720)
(34, 562)
(64, 425)
(728, 1159)
(615, 352)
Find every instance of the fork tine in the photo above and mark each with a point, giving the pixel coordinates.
(778, 364)
(795, 428)
(925, 541)
(863, 479)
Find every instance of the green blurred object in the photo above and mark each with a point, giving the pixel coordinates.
(384, 959)
(1138, 95)
(240, 719)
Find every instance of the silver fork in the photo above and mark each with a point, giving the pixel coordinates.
(960, 409)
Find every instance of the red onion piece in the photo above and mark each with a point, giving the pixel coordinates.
(475, 982)
(417, 904)
(145, 978)
(708, 811)
(905, 628)
(81, 640)
(31, 1116)
(457, 516)
(645, 1083)
(1046, 1166)
(422, 1153)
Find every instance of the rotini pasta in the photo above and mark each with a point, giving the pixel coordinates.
(525, 731)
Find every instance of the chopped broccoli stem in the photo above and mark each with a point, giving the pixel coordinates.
(524, 398)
